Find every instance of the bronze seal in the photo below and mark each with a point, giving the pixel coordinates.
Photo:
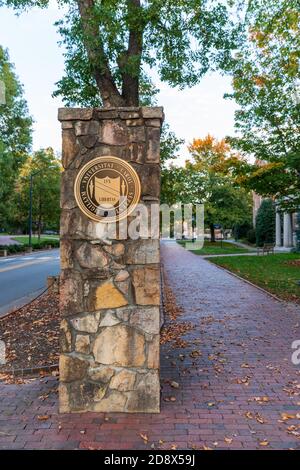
(107, 189)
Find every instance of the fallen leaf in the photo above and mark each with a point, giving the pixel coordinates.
(264, 443)
(43, 417)
(144, 437)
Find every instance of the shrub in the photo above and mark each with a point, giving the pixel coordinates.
(265, 223)
(251, 236)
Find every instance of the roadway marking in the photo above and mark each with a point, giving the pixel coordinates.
(21, 265)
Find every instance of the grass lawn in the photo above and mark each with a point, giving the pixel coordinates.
(217, 248)
(35, 240)
(277, 273)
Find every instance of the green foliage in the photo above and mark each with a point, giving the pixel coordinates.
(265, 223)
(46, 171)
(15, 135)
(241, 230)
(251, 236)
(203, 180)
(116, 41)
(266, 88)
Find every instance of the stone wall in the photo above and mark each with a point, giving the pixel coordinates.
(109, 292)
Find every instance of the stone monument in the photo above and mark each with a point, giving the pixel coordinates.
(109, 283)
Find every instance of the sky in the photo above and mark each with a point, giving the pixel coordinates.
(32, 41)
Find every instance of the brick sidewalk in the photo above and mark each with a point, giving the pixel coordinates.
(231, 395)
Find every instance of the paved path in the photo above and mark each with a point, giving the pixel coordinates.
(22, 277)
(231, 392)
(7, 240)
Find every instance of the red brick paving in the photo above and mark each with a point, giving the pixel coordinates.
(243, 335)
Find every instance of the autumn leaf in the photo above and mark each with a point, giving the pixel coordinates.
(264, 443)
(228, 440)
(43, 417)
(144, 437)
(174, 384)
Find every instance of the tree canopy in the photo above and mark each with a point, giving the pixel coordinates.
(206, 179)
(46, 171)
(266, 88)
(15, 134)
(110, 45)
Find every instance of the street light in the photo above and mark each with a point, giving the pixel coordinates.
(30, 201)
(30, 206)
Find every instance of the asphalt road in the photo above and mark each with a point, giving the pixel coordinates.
(23, 277)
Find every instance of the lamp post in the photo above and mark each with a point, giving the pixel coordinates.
(30, 207)
(51, 167)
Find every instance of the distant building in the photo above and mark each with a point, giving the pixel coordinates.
(286, 224)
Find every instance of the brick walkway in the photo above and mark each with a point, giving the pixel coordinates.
(244, 338)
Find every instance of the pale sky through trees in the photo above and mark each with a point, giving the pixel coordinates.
(32, 42)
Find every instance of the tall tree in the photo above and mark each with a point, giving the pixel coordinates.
(266, 88)
(45, 169)
(225, 204)
(15, 135)
(111, 43)
(265, 223)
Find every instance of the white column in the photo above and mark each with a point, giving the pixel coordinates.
(278, 229)
(287, 230)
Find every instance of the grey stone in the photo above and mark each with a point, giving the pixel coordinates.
(88, 323)
(75, 114)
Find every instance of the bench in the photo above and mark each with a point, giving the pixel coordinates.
(266, 248)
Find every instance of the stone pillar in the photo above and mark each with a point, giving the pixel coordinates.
(278, 229)
(287, 230)
(109, 290)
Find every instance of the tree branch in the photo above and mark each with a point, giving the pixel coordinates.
(130, 85)
(97, 57)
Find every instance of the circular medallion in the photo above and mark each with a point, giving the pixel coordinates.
(107, 189)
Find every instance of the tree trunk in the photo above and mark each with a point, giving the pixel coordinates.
(130, 85)
(95, 51)
(109, 92)
(212, 233)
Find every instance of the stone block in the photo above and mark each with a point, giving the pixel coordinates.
(71, 293)
(155, 112)
(108, 296)
(87, 323)
(91, 256)
(126, 347)
(86, 128)
(142, 252)
(70, 147)
(123, 381)
(146, 319)
(146, 283)
(145, 398)
(153, 145)
(113, 133)
(82, 344)
(101, 374)
(71, 368)
(75, 114)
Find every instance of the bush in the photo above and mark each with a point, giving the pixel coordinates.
(12, 249)
(265, 223)
(251, 236)
(241, 230)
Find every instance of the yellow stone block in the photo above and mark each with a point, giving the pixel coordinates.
(108, 296)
